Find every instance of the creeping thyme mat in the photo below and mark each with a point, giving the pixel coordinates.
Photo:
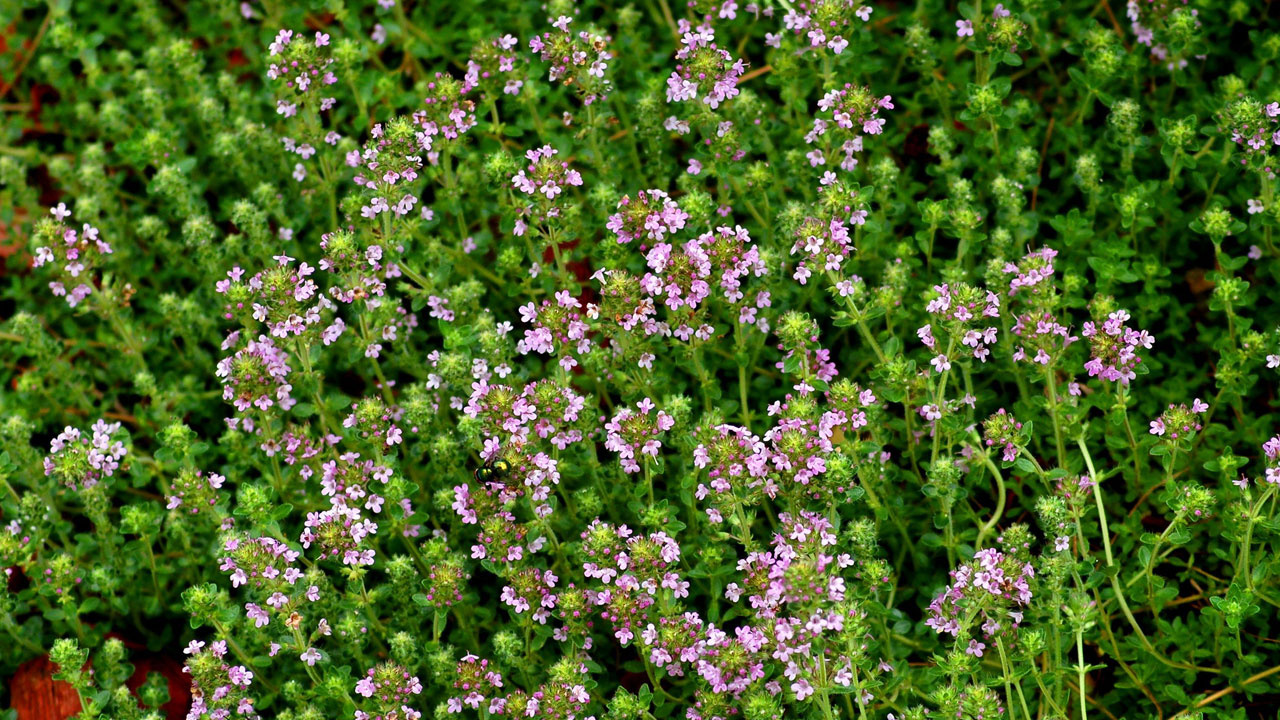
(385, 360)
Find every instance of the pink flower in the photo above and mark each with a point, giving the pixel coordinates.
(964, 28)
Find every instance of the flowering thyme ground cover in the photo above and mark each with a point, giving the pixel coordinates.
(708, 360)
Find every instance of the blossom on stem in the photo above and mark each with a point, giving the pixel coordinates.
(703, 69)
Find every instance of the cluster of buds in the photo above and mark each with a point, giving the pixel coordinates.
(1001, 31)
(360, 271)
(375, 421)
(703, 69)
(447, 579)
(1003, 430)
(579, 59)
(1162, 25)
(802, 356)
(75, 253)
(1179, 422)
(194, 490)
(1255, 128)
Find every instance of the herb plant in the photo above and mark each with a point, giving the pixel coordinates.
(702, 360)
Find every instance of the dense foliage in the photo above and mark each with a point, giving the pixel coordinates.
(704, 360)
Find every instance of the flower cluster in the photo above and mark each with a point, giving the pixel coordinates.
(1114, 348)
(962, 313)
(449, 113)
(993, 587)
(493, 64)
(339, 532)
(635, 433)
(651, 215)
(76, 254)
(542, 182)
(218, 687)
(284, 298)
(1041, 338)
(389, 164)
(1271, 453)
(595, 361)
(633, 570)
(559, 329)
(544, 409)
(735, 461)
(578, 59)
(823, 244)
(1003, 430)
(703, 69)
(388, 687)
(79, 460)
(854, 112)
(301, 71)
(195, 491)
(1179, 421)
(257, 376)
(823, 24)
(1032, 273)
(683, 277)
